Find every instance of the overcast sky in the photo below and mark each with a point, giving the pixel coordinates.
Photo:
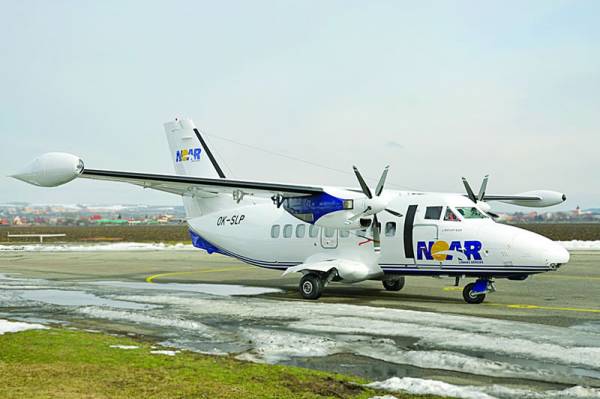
(438, 90)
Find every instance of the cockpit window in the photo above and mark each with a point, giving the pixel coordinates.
(433, 212)
(471, 213)
(450, 216)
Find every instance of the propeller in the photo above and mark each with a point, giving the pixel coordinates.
(374, 205)
(480, 196)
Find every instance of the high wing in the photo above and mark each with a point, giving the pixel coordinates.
(187, 185)
(512, 198)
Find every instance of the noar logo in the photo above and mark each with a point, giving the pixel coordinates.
(442, 250)
(192, 154)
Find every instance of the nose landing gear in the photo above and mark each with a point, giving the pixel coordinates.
(474, 293)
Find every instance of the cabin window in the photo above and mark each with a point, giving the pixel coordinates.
(470, 212)
(344, 233)
(329, 232)
(300, 230)
(287, 230)
(313, 231)
(275, 231)
(433, 212)
(390, 229)
(450, 216)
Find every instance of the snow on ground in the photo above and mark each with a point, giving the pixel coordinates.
(119, 246)
(125, 347)
(578, 245)
(573, 245)
(165, 352)
(278, 331)
(432, 387)
(16, 326)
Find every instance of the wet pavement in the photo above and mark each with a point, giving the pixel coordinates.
(536, 335)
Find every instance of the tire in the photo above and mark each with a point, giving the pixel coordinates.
(311, 286)
(394, 285)
(469, 297)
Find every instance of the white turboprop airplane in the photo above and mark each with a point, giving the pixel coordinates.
(335, 233)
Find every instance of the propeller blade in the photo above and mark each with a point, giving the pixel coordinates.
(381, 183)
(362, 183)
(376, 228)
(393, 212)
(492, 214)
(470, 192)
(483, 188)
(357, 216)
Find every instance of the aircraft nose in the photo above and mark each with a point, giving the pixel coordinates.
(557, 254)
(532, 247)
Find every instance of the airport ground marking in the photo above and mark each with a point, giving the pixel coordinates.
(541, 307)
(452, 288)
(150, 279)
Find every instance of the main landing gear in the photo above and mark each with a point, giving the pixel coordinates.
(311, 286)
(395, 284)
(474, 293)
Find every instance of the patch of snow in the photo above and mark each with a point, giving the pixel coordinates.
(421, 386)
(125, 347)
(428, 387)
(383, 397)
(119, 246)
(579, 245)
(17, 326)
(141, 318)
(165, 352)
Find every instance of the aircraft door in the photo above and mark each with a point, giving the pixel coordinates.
(329, 238)
(425, 239)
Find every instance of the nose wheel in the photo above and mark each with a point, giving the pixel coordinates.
(474, 293)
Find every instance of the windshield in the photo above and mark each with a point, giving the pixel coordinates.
(471, 213)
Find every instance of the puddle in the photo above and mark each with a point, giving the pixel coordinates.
(209, 289)
(78, 298)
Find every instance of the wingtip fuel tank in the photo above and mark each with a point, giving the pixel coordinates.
(51, 169)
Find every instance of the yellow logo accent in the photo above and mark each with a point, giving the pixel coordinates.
(437, 247)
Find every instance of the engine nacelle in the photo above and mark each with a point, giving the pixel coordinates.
(51, 169)
(546, 198)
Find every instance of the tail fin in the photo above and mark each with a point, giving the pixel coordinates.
(191, 156)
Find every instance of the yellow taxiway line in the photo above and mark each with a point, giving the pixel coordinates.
(150, 279)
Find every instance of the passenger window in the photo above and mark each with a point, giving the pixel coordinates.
(329, 232)
(390, 229)
(344, 233)
(275, 231)
(450, 216)
(313, 231)
(433, 212)
(300, 230)
(287, 231)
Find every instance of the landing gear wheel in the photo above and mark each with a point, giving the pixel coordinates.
(311, 286)
(470, 297)
(394, 285)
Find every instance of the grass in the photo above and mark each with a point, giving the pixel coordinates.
(179, 233)
(59, 363)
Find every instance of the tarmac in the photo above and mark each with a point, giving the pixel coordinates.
(534, 338)
(566, 297)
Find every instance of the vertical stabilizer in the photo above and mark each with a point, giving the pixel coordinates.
(192, 157)
(189, 151)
